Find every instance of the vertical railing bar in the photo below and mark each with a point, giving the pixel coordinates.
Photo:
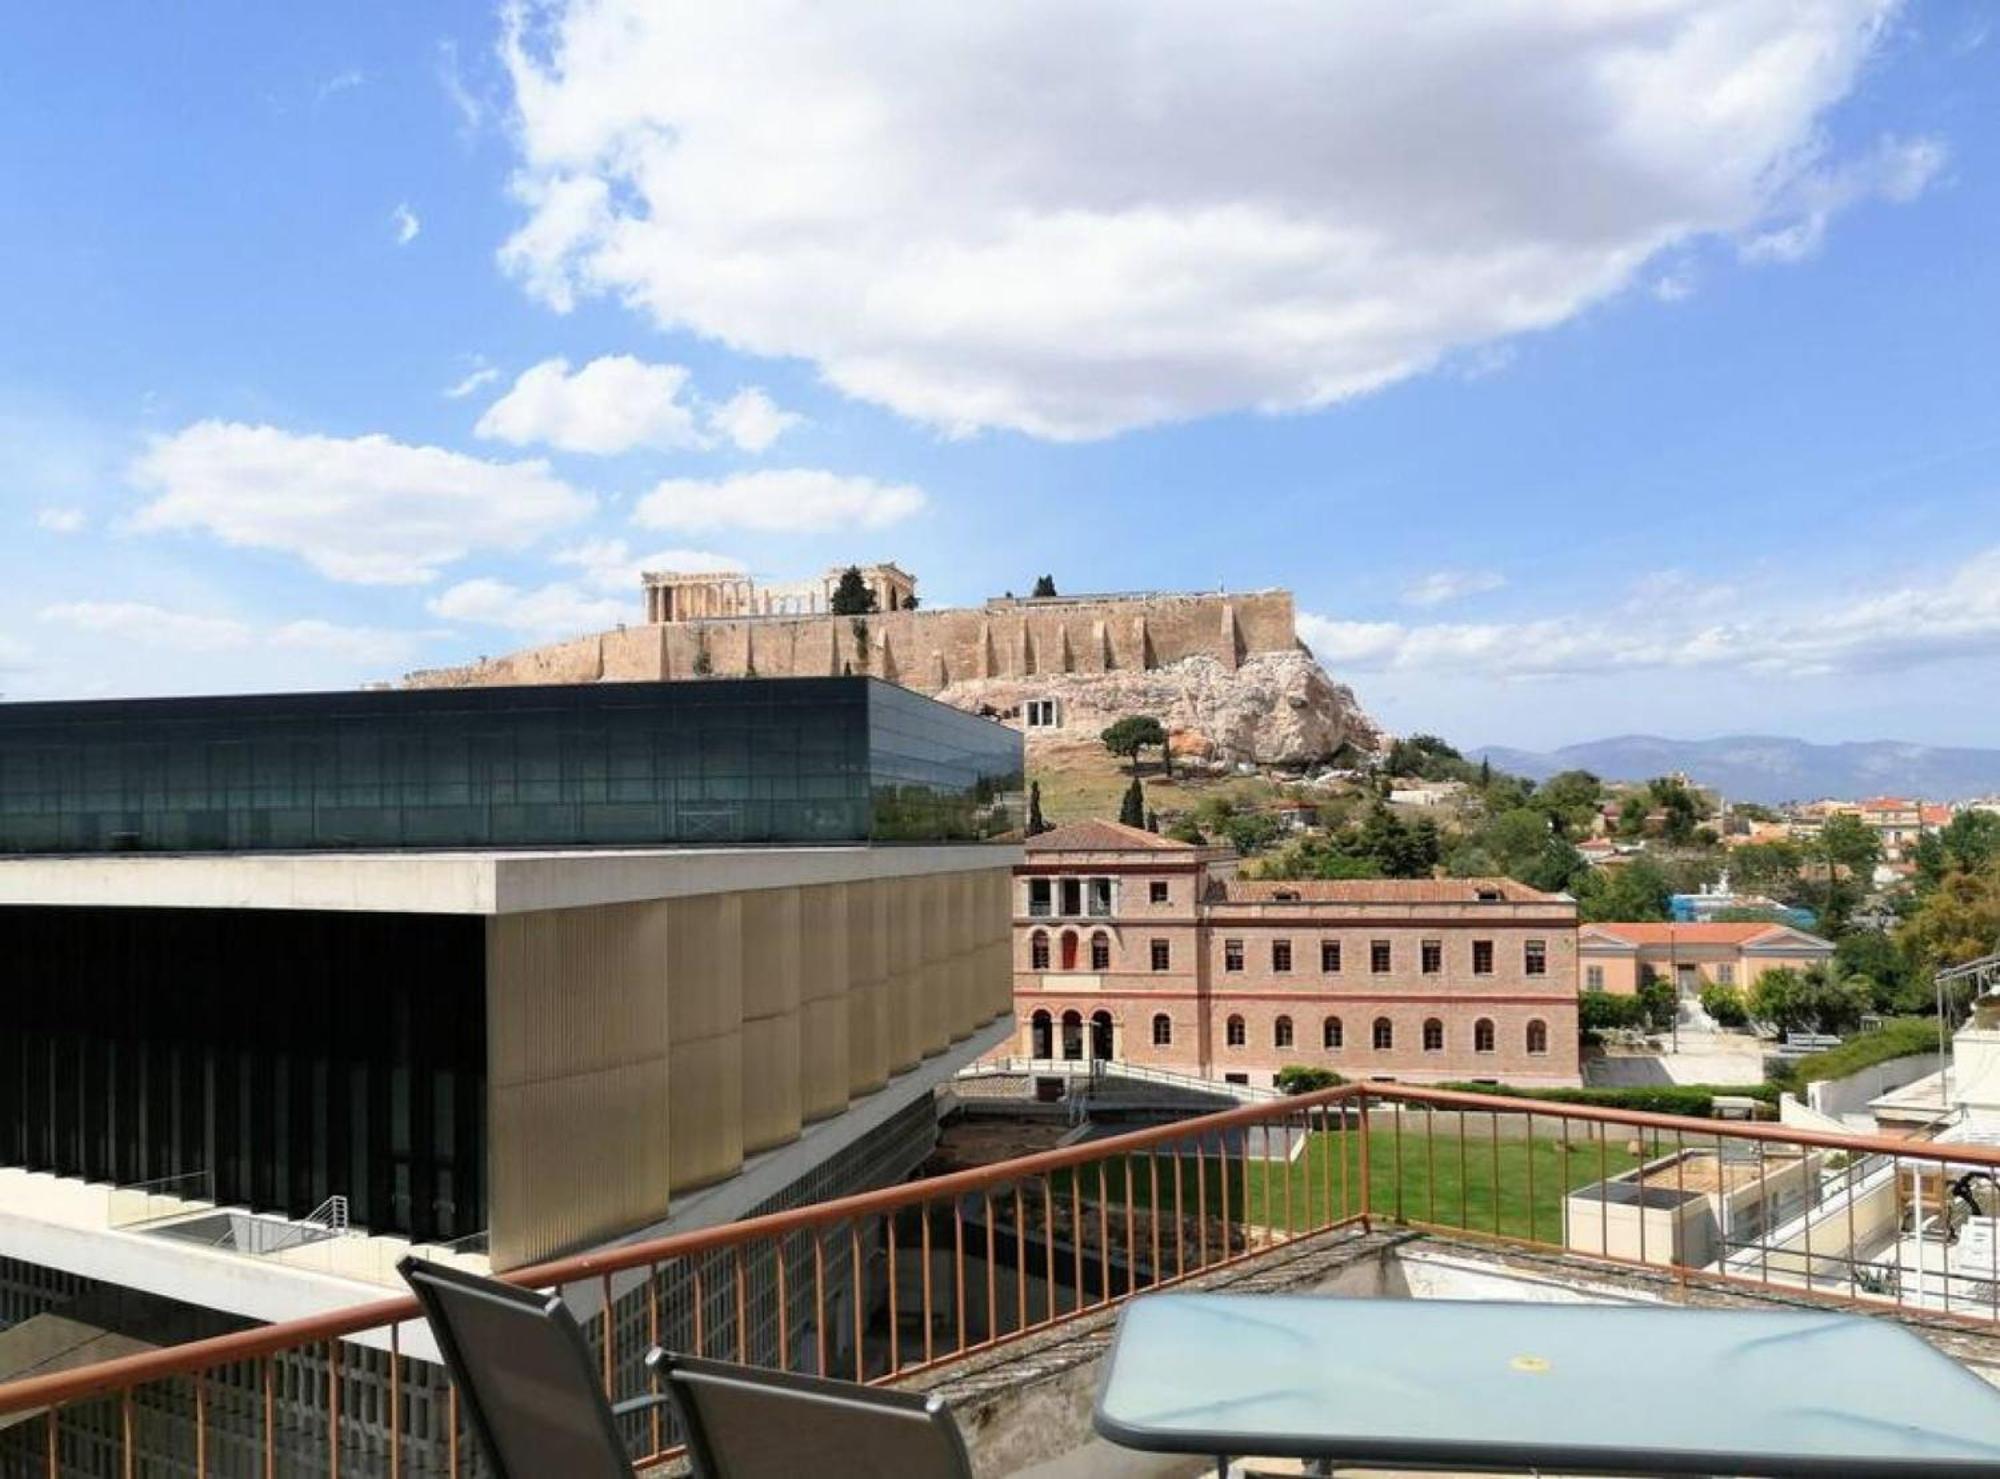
(396, 1402)
(1180, 1220)
(610, 1338)
(859, 1281)
(1362, 1170)
(1103, 1236)
(1430, 1165)
(992, 1276)
(1763, 1206)
(271, 1424)
(1528, 1145)
(742, 1310)
(1201, 1206)
(201, 1418)
(451, 1430)
(1153, 1209)
(51, 1443)
(127, 1459)
(924, 1244)
(1853, 1250)
(819, 1303)
(1127, 1164)
(333, 1407)
(1603, 1198)
(784, 1310)
(1222, 1160)
(700, 1305)
(1049, 1245)
(1493, 1140)
(1020, 1261)
(1246, 1185)
(895, 1321)
(1810, 1172)
(1680, 1200)
(1076, 1232)
(653, 1341)
(1397, 1132)
(958, 1254)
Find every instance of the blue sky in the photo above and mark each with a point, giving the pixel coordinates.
(1582, 368)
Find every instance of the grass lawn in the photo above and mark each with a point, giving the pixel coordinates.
(1513, 1187)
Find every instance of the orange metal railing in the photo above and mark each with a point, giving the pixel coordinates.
(883, 1285)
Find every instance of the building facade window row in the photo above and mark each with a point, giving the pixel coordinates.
(1382, 1034)
(1382, 957)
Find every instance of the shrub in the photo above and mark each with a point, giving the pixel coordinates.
(1298, 1078)
(1691, 1101)
(1898, 1038)
(1597, 1010)
(1725, 1004)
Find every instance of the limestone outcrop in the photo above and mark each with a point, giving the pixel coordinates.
(1272, 708)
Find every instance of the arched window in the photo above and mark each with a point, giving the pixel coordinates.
(1038, 950)
(1433, 1035)
(1041, 1036)
(1538, 1036)
(1330, 1033)
(1236, 1037)
(1072, 1034)
(1100, 951)
(1385, 1034)
(1069, 950)
(1102, 1038)
(1163, 1031)
(1281, 1032)
(1482, 1035)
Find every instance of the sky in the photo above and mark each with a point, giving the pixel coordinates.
(1584, 367)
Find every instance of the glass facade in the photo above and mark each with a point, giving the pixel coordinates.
(707, 762)
(294, 1055)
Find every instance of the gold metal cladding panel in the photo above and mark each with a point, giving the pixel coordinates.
(579, 1095)
(966, 1012)
(705, 1020)
(867, 989)
(772, 1080)
(771, 952)
(903, 927)
(932, 985)
(824, 1028)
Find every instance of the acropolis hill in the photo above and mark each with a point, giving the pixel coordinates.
(1225, 672)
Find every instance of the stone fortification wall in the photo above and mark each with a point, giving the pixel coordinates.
(928, 651)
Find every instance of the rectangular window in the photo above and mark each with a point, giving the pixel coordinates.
(1232, 955)
(1163, 956)
(1329, 956)
(1043, 713)
(1100, 897)
(1535, 958)
(1725, 974)
(1041, 898)
(1379, 960)
(1156, 891)
(1281, 956)
(1072, 896)
(1593, 978)
(1482, 957)
(1433, 955)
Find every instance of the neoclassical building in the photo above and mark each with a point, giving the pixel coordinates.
(726, 595)
(1133, 946)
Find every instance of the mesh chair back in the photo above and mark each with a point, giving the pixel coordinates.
(743, 1423)
(525, 1378)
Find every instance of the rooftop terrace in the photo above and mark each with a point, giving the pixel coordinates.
(997, 1285)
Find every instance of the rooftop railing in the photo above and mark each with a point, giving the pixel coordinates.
(882, 1286)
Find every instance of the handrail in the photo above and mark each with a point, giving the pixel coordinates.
(60, 1388)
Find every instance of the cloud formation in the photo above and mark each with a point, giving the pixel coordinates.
(1957, 616)
(403, 221)
(617, 403)
(63, 520)
(1442, 586)
(1072, 219)
(609, 564)
(363, 509)
(795, 500)
(166, 629)
(555, 610)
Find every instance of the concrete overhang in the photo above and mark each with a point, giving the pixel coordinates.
(479, 883)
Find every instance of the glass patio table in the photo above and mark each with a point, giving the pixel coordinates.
(1597, 1389)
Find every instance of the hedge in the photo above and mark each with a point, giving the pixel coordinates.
(1896, 1038)
(1691, 1101)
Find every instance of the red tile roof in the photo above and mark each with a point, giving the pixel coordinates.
(1097, 836)
(1693, 934)
(1381, 891)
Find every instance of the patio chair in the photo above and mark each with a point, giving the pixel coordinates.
(532, 1394)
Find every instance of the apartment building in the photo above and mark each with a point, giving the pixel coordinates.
(1133, 946)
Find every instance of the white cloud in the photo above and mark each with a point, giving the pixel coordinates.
(617, 403)
(362, 509)
(478, 377)
(611, 405)
(61, 520)
(464, 101)
(1072, 219)
(555, 610)
(751, 420)
(1897, 170)
(1955, 616)
(340, 82)
(781, 500)
(610, 565)
(1440, 586)
(169, 630)
(405, 223)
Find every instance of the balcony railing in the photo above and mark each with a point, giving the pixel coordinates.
(876, 1287)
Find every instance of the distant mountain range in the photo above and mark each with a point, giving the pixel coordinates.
(1771, 768)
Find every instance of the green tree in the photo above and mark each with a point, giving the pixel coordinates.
(1967, 844)
(1251, 831)
(1725, 1005)
(1632, 816)
(1783, 999)
(1683, 808)
(1636, 892)
(851, 595)
(1428, 758)
(1570, 800)
(1132, 812)
(1598, 1010)
(1036, 823)
(1135, 732)
(1185, 830)
(1958, 920)
(1872, 956)
(1660, 1002)
(1045, 586)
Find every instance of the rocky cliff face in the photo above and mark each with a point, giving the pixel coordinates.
(1274, 708)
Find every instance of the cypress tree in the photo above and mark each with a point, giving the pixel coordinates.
(1133, 812)
(1036, 824)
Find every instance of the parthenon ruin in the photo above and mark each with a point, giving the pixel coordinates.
(727, 595)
